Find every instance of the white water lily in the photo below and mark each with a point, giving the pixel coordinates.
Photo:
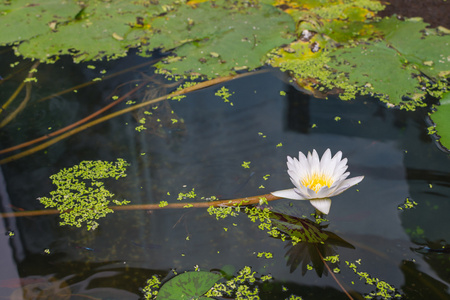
(317, 179)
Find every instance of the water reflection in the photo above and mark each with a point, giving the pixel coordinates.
(298, 111)
(420, 285)
(309, 242)
(389, 147)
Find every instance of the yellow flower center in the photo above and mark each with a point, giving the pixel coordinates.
(316, 181)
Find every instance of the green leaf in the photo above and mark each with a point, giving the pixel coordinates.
(99, 33)
(189, 285)
(239, 38)
(217, 40)
(441, 118)
(395, 30)
(425, 51)
(396, 61)
(379, 69)
(23, 19)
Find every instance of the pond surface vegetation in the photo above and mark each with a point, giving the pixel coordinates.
(385, 238)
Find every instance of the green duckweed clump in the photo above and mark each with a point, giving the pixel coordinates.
(80, 195)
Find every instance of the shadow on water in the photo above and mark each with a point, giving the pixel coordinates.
(205, 152)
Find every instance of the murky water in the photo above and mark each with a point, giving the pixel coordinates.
(390, 148)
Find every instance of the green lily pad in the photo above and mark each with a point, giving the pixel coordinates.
(217, 40)
(398, 31)
(427, 52)
(99, 31)
(441, 118)
(379, 69)
(22, 19)
(189, 285)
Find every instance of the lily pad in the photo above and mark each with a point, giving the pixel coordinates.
(379, 69)
(189, 285)
(99, 31)
(22, 19)
(226, 41)
(424, 48)
(441, 118)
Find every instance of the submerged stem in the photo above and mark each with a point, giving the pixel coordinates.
(332, 274)
(67, 128)
(218, 203)
(25, 100)
(196, 87)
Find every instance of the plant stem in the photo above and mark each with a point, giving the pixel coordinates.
(218, 203)
(25, 100)
(67, 128)
(196, 87)
(77, 87)
(332, 274)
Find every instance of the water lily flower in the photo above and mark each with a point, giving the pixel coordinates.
(317, 179)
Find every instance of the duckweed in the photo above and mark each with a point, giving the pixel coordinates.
(80, 195)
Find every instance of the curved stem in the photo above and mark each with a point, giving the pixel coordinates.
(218, 203)
(67, 128)
(196, 87)
(332, 274)
(94, 82)
(24, 101)
(13, 96)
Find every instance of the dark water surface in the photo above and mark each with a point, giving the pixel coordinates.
(389, 147)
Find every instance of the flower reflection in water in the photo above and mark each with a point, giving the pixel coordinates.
(310, 244)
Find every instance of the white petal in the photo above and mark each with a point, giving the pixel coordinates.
(309, 156)
(295, 179)
(342, 177)
(295, 166)
(339, 172)
(288, 194)
(324, 192)
(322, 205)
(315, 162)
(302, 193)
(337, 157)
(303, 164)
(311, 193)
(290, 163)
(302, 158)
(346, 184)
(334, 162)
(325, 161)
(342, 164)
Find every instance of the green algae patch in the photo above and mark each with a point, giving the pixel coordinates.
(81, 196)
(383, 290)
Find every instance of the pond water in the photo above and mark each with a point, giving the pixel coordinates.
(205, 150)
